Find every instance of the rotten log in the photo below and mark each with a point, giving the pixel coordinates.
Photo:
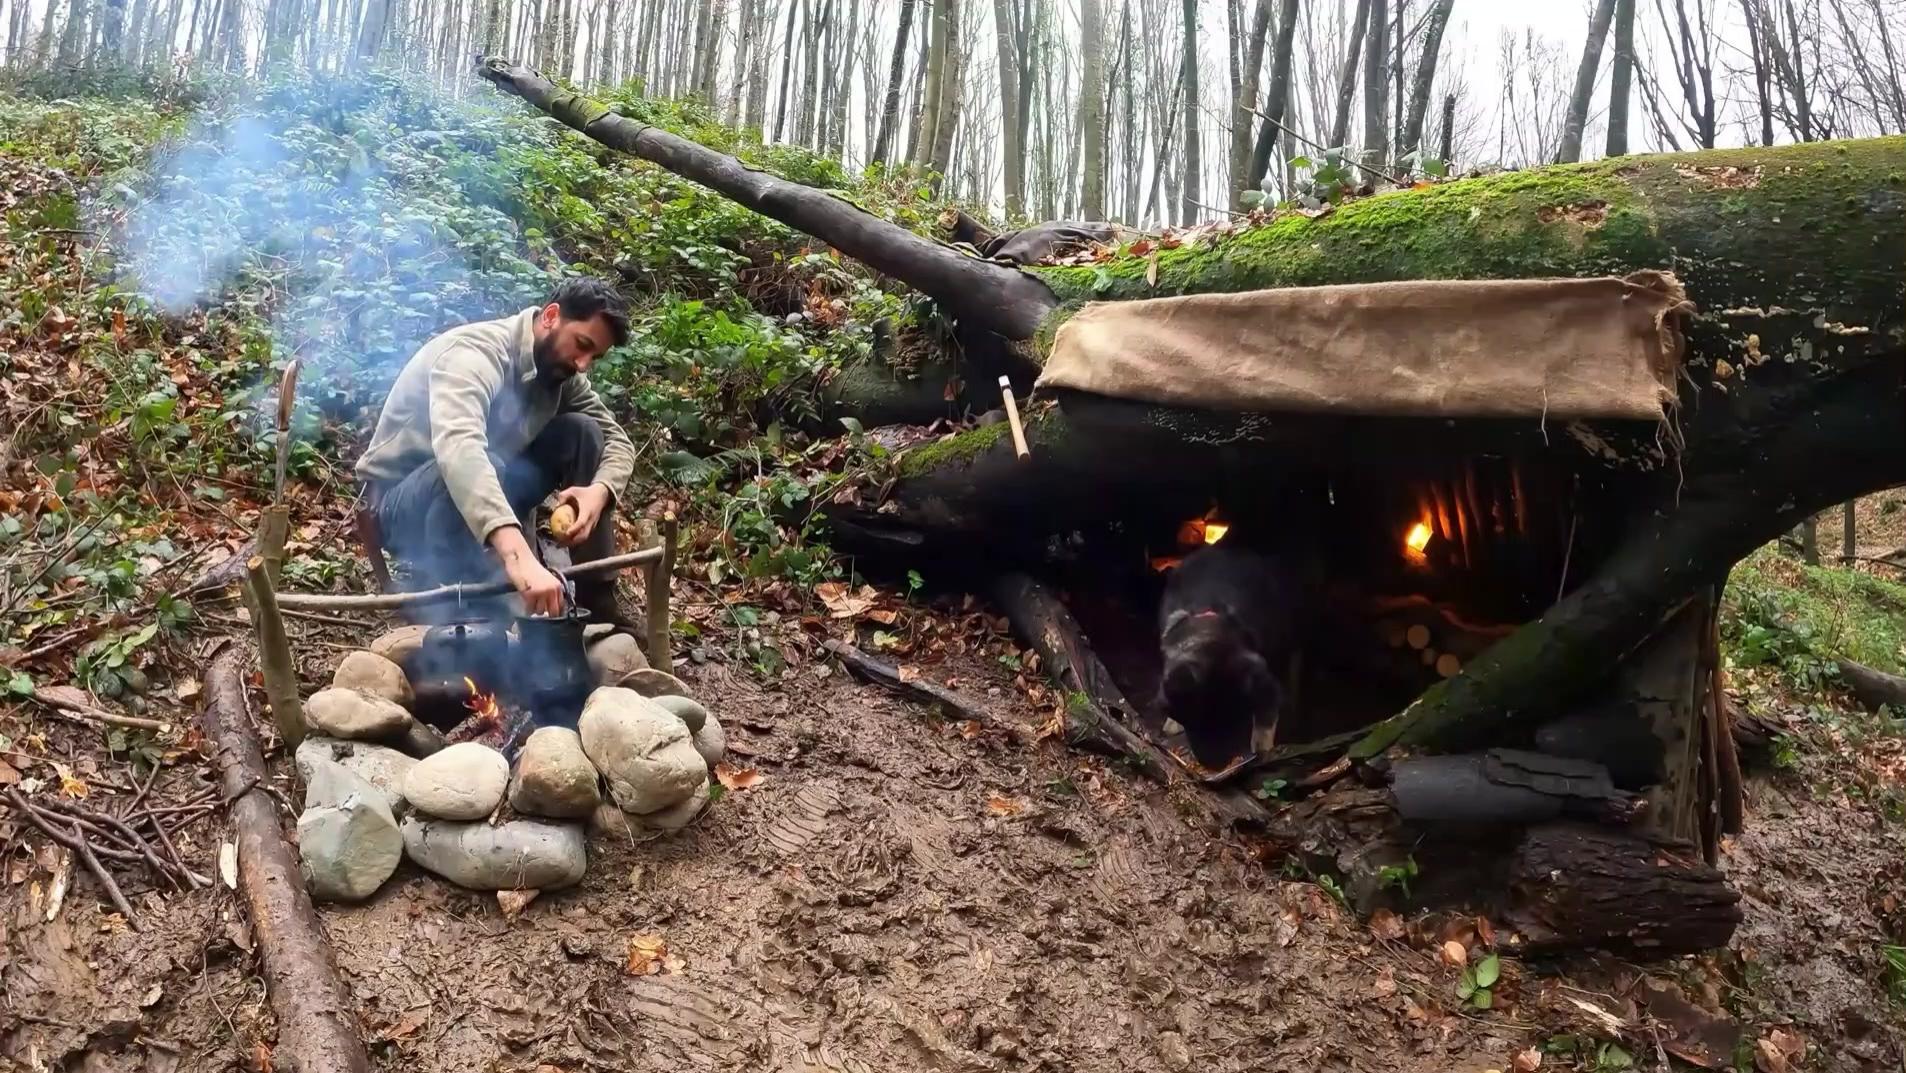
(1874, 689)
(317, 1022)
(1575, 885)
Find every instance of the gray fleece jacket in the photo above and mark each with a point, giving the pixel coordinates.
(470, 394)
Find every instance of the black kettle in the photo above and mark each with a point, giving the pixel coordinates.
(551, 674)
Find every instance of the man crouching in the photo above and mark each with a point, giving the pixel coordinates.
(482, 424)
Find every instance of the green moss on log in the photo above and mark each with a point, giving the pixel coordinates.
(1820, 226)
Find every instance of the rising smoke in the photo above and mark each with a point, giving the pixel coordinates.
(340, 215)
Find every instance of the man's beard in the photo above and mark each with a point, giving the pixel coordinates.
(548, 369)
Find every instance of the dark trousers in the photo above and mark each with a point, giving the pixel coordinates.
(422, 526)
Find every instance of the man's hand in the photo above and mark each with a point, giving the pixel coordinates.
(589, 501)
(541, 590)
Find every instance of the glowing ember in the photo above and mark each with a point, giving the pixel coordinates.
(1418, 538)
(1214, 531)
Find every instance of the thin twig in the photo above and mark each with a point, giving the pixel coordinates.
(1379, 173)
(86, 714)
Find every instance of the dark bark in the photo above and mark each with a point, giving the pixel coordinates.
(1578, 101)
(1574, 885)
(994, 297)
(317, 1020)
(1433, 26)
(890, 111)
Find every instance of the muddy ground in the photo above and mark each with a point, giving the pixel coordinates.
(901, 892)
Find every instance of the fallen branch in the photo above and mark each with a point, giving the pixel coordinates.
(316, 1023)
(914, 688)
(303, 601)
(1874, 689)
(74, 838)
(77, 711)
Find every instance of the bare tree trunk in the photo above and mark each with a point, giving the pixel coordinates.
(890, 111)
(760, 63)
(811, 30)
(953, 77)
(1398, 100)
(787, 71)
(1376, 87)
(1277, 106)
(1849, 531)
(1585, 72)
(1895, 89)
(1244, 104)
(1131, 167)
(1621, 78)
(704, 45)
(1028, 63)
(1449, 129)
(1347, 80)
(1091, 112)
(1433, 26)
(744, 73)
(932, 107)
(1014, 149)
(844, 57)
(1188, 207)
(1809, 532)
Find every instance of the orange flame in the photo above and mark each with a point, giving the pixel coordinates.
(1214, 531)
(484, 704)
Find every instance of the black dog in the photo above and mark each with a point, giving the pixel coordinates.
(1226, 626)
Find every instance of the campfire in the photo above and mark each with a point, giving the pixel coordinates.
(488, 723)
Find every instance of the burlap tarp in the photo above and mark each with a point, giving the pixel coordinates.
(1560, 348)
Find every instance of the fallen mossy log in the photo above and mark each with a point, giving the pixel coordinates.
(317, 1022)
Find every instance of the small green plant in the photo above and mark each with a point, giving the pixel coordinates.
(1270, 789)
(1398, 876)
(1893, 957)
(19, 684)
(1476, 986)
(1599, 1056)
(1333, 888)
(914, 584)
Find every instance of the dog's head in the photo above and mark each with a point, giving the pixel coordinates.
(1216, 685)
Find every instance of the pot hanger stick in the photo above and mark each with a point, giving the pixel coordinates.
(311, 601)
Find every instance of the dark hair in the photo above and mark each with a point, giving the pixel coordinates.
(582, 297)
